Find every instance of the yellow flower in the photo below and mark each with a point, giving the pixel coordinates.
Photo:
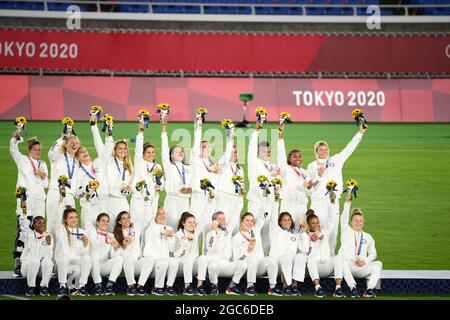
(163, 106)
(277, 181)
(260, 111)
(226, 123)
(201, 110)
(20, 191)
(352, 182)
(262, 179)
(144, 112)
(21, 120)
(331, 185)
(63, 178)
(94, 184)
(285, 115)
(97, 107)
(68, 121)
(356, 113)
(158, 172)
(140, 185)
(237, 178)
(108, 118)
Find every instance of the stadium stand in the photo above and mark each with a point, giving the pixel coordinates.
(241, 7)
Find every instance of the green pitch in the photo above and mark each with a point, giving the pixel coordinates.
(402, 170)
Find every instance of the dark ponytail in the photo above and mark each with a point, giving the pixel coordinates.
(310, 215)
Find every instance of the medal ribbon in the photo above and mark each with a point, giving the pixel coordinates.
(70, 173)
(87, 172)
(182, 173)
(358, 249)
(118, 168)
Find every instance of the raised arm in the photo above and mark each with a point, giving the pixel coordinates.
(165, 156)
(54, 152)
(109, 147)
(351, 146)
(282, 159)
(196, 147)
(98, 143)
(345, 216)
(253, 147)
(228, 150)
(139, 149)
(14, 149)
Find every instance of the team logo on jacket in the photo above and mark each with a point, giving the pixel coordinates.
(293, 238)
(131, 233)
(364, 241)
(44, 243)
(331, 164)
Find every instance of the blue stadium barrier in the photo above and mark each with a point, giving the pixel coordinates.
(396, 282)
(62, 6)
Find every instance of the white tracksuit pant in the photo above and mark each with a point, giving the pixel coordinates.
(64, 265)
(225, 268)
(174, 207)
(326, 210)
(299, 269)
(371, 270)
(31, 270)
(231, 206)
(184, 266)
(142, 267)
(297, 210)
(286, 266)
(260, 267)
(258, 209)
(319, 270)
(111, 268)
(55, 210)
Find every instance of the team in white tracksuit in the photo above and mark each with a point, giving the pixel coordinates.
(90, 201)
(178, 182)
(247, 246)
(283, 248)
(358, 245)
(314, 252)
(332, 166)
(144, 203)
(133, 262)
(119, 180)
(218, 258)
(185, 251)
(257, 203)
(156, 250)
(103, 152)
(37, 255)
(72, 252)
(202, 205)
(33, 175)
(229, 199)
(158, 240)
(105, 253)
(62, 162)
(294, 195)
